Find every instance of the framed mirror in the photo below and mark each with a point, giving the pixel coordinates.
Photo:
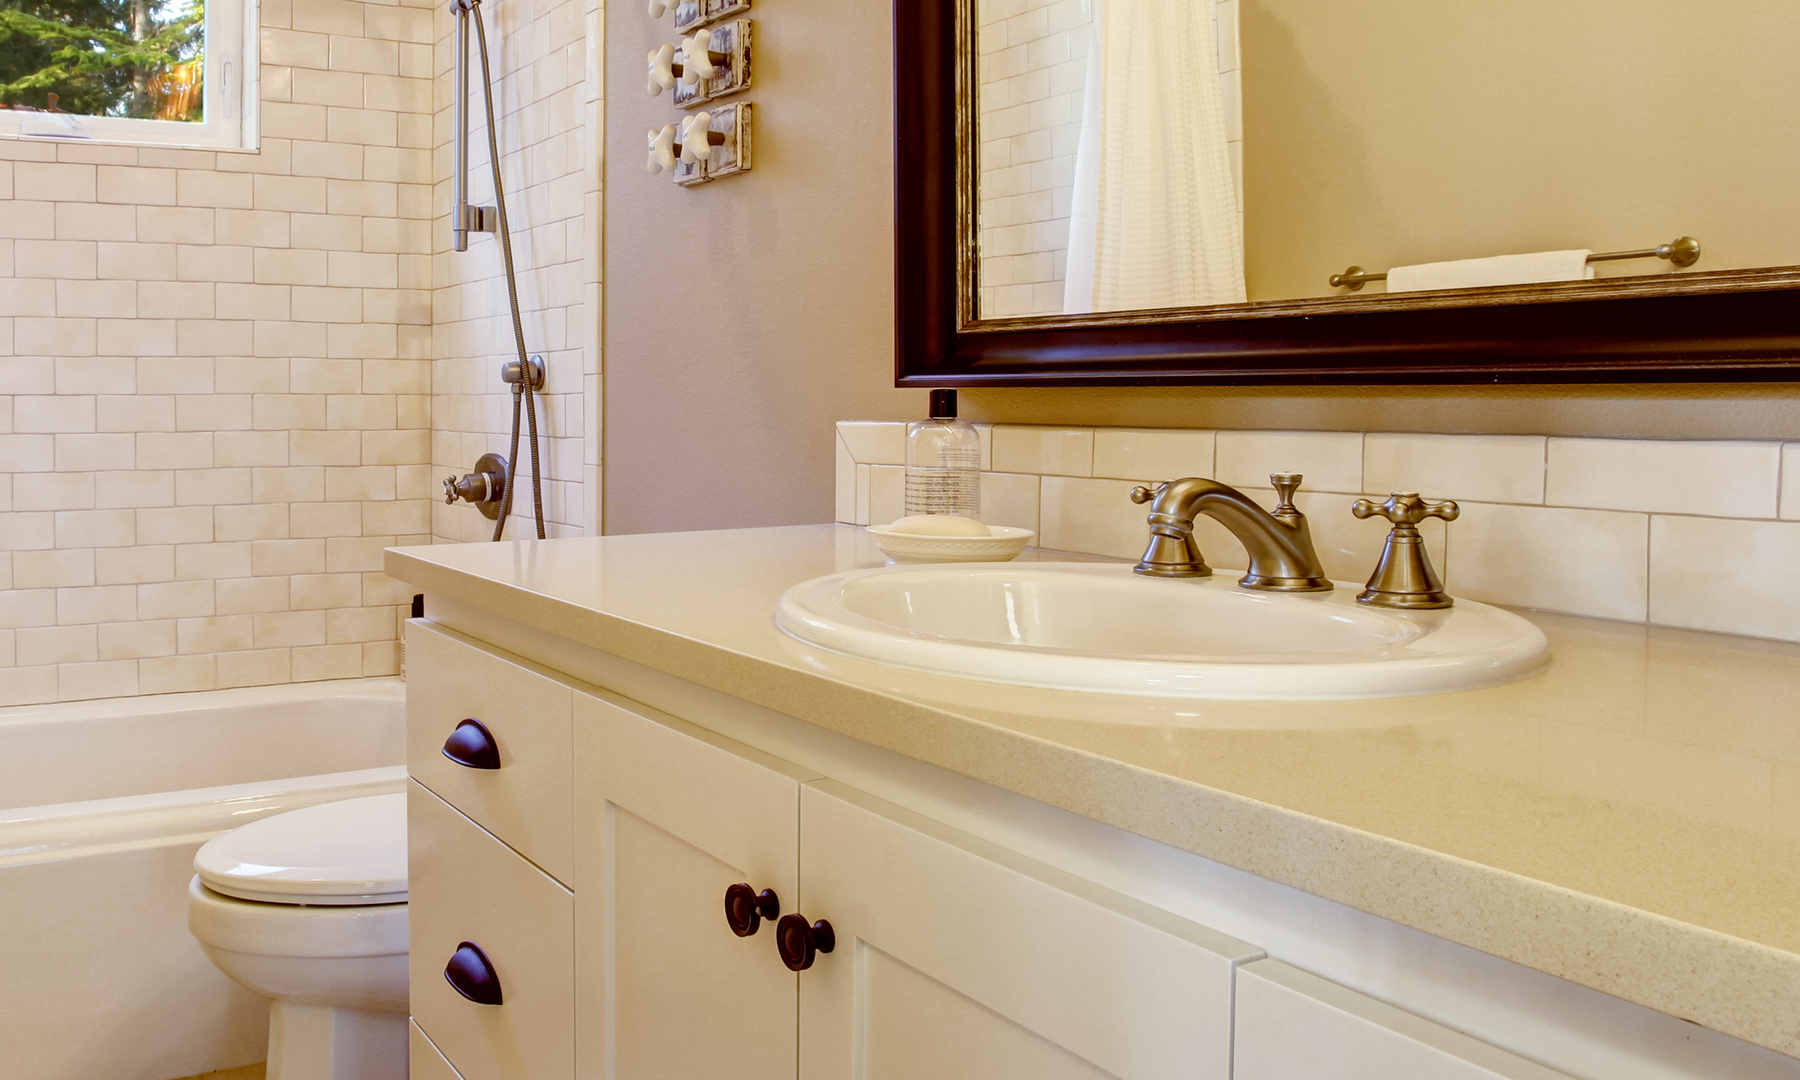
(1314, 191)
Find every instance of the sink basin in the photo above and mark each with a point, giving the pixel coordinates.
(1103, 629)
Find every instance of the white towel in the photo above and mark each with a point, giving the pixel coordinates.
(1499, 270)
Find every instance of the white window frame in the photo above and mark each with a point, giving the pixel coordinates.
(232, 82)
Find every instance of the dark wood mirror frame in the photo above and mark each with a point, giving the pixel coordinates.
(1721, 326)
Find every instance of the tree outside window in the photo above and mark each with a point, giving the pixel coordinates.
(135, 59)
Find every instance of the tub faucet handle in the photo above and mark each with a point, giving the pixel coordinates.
(698, 138)
(663, 70)
(663, 150)
(698, 59)
(1404, 577)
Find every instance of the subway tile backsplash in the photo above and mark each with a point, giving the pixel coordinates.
(1697, 534)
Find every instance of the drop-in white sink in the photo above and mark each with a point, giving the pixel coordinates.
(1103, 629)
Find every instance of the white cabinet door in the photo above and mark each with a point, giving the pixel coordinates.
(1295, 1026)
(955, 958)
(667, 818)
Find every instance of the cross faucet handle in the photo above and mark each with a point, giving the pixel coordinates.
(1404, 577)
(1406, 508)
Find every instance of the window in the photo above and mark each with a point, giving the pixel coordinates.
(159, 72)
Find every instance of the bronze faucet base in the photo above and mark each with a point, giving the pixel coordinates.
(1265, 583)
(1405, 600)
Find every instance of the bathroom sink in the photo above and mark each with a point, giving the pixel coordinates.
(1103, 629)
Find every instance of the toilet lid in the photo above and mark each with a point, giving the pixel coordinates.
(347, 852)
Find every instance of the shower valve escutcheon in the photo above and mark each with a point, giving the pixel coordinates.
(484, 488)
(1279, 541)
(1404, 577)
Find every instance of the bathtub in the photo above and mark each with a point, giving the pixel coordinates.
(102, 805)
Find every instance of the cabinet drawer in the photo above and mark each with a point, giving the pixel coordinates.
(467, 886)
(526, 801)
(423, 1060)
(1291, 1024)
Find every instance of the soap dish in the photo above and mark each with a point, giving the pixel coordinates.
(1005, 543)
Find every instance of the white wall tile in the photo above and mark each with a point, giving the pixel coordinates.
(887, 493)
(1329, 460)
(874, 442)
(205, 375)
(844, 476)
(1094, 516)
(1485, 468)
(1010, 499)
(1152, 454)
(1790, 481)
(1584, 562)
(1732, 576)
(1043, 450)
(1716, 478)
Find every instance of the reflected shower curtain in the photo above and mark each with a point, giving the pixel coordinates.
(1154, 220)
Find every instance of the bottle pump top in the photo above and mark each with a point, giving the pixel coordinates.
(943, 404)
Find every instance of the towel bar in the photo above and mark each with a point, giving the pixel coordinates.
(1681, 251)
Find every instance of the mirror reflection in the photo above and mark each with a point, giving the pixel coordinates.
(1154, 154)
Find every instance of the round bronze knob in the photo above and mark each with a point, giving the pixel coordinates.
(798, 943)
(745, 908)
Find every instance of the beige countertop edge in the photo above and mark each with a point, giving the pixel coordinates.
(1729, 984)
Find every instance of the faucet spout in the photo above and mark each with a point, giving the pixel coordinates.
(1279, 542)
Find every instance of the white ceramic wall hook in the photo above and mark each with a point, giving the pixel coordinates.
(698, 59)
(658, 7)
(663, 150)
(663, 70)
(698, 138)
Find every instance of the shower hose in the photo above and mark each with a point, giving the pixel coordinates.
(523, 389)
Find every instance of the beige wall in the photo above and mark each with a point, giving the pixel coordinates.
(1416, 131)
(743, 317)
(214, 380)
(667, 438)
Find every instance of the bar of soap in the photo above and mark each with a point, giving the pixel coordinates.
(940, 525)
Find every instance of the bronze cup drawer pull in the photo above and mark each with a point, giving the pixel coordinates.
(745, 908)
(798, 943)
(470, 974)
(472, 746)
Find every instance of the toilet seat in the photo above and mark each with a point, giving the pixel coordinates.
(346, 853)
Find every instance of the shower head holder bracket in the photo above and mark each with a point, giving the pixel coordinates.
(510, 373)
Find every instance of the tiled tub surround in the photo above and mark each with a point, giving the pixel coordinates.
(1701, 535)
(215, 410)
(547, 92)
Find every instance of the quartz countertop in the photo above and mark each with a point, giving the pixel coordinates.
(1628, 820)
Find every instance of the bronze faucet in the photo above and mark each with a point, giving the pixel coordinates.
(1279, 542)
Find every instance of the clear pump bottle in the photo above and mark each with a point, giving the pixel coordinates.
(943, 462)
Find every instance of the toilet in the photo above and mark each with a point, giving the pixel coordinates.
(308, 909)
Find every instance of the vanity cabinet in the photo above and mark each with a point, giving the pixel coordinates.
(948, 956)
(1292, 1025)
(973, 932)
